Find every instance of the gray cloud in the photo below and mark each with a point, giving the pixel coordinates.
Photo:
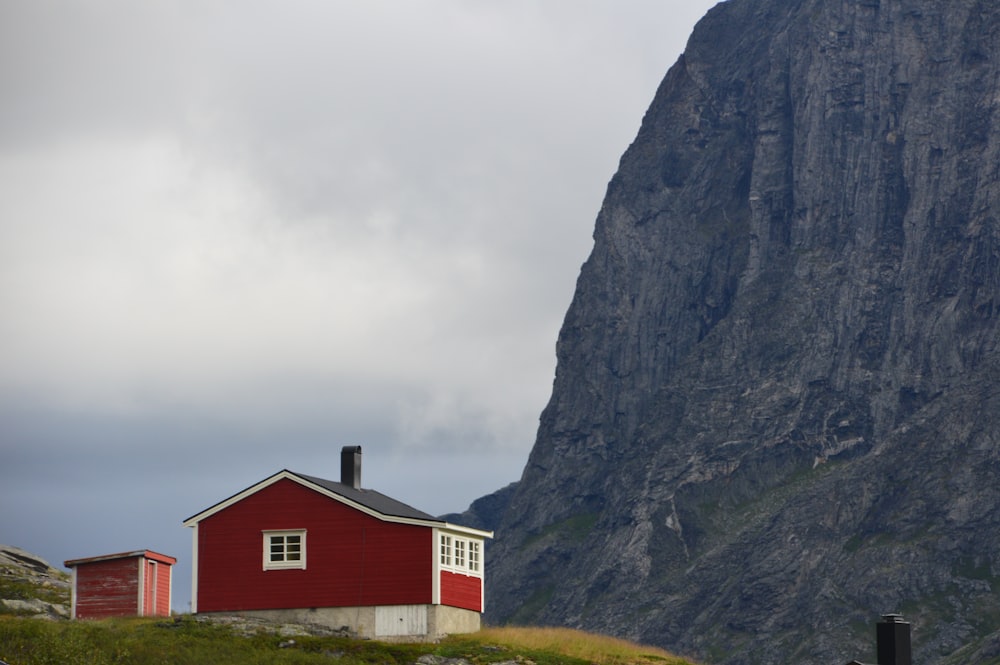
(235, 236)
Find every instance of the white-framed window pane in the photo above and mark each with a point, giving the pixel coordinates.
(277, 548)
(445, 550)
(293, 548)
(474, 555)
(459, 553)
(284, 549)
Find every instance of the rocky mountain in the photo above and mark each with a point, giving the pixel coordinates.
(776, 411)
(485, 512)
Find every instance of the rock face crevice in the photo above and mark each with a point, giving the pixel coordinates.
(775, 412)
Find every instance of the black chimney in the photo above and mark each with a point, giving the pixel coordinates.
(350, 468)
(892, 639)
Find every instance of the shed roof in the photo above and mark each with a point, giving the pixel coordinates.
(369, 501)
(148, 554)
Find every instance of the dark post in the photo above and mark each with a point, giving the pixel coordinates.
(892, 639)
(350, 466)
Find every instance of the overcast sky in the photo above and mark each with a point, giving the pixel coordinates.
(236, 236)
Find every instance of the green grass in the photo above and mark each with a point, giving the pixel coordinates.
(185, 640)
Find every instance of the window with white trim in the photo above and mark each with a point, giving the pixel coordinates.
(461, 555)
(445, 550)
(284, 549)
(474, 555)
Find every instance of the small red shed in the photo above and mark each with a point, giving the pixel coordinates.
(124, 584)
(302, 549)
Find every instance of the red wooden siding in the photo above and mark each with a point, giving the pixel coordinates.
(352, 558)
(107, 588)
(462, 591)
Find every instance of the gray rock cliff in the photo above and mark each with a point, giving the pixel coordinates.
(776, 411)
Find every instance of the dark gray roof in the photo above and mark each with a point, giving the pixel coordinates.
(370, 499)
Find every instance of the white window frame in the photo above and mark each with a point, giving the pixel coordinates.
(475, 556)
(461, 555)
(445, 550)
(284, 564)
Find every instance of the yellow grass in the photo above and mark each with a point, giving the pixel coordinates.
(598, 649)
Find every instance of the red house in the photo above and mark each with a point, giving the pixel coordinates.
(124, 584)
(302, 549)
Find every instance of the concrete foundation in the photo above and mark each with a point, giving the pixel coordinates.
(446, 620)
(388, 623)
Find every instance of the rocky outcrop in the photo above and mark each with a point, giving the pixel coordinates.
(776, 412)
(485, 512)
(30, 586)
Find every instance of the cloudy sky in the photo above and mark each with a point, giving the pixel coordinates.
(237, 235)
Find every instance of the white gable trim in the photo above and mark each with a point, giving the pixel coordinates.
(465, 530)
(285, 474)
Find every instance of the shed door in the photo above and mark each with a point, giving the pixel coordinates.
(400, 620)
(152, 583)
